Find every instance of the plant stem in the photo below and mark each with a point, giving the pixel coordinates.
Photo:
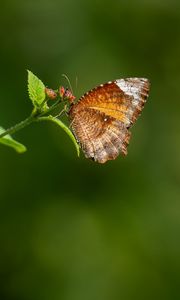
(63, 126)
(32, 118)
(19, 126)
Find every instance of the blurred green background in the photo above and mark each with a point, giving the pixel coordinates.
(72, 229)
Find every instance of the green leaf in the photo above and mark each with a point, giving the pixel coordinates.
(10, 142)
(36, 90)
(64, 127)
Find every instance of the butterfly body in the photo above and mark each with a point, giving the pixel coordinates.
(101, 119)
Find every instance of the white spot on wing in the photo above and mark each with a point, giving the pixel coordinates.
(132, 87)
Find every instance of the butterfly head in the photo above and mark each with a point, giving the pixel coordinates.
(66, 95)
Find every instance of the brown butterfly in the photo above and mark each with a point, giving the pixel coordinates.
(101, 119)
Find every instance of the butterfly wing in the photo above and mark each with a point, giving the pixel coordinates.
(101, 118)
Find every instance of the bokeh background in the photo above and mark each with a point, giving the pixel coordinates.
(72, 229)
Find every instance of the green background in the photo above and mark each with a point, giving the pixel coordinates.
(72, 229)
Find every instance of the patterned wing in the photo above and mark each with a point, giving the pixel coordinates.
(101, 118)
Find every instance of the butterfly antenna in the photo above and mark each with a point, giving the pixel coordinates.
(65, 76)
(76, 83)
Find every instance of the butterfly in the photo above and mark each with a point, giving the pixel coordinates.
(102, 117)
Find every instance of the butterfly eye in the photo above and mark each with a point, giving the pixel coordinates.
(69, 96)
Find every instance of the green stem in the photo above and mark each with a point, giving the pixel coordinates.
(64, 127)
(19, 126)
(33, 117)
(42, 116)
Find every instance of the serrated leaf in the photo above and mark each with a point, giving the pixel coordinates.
(36, 89)
(10, 142)
(64, 127)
